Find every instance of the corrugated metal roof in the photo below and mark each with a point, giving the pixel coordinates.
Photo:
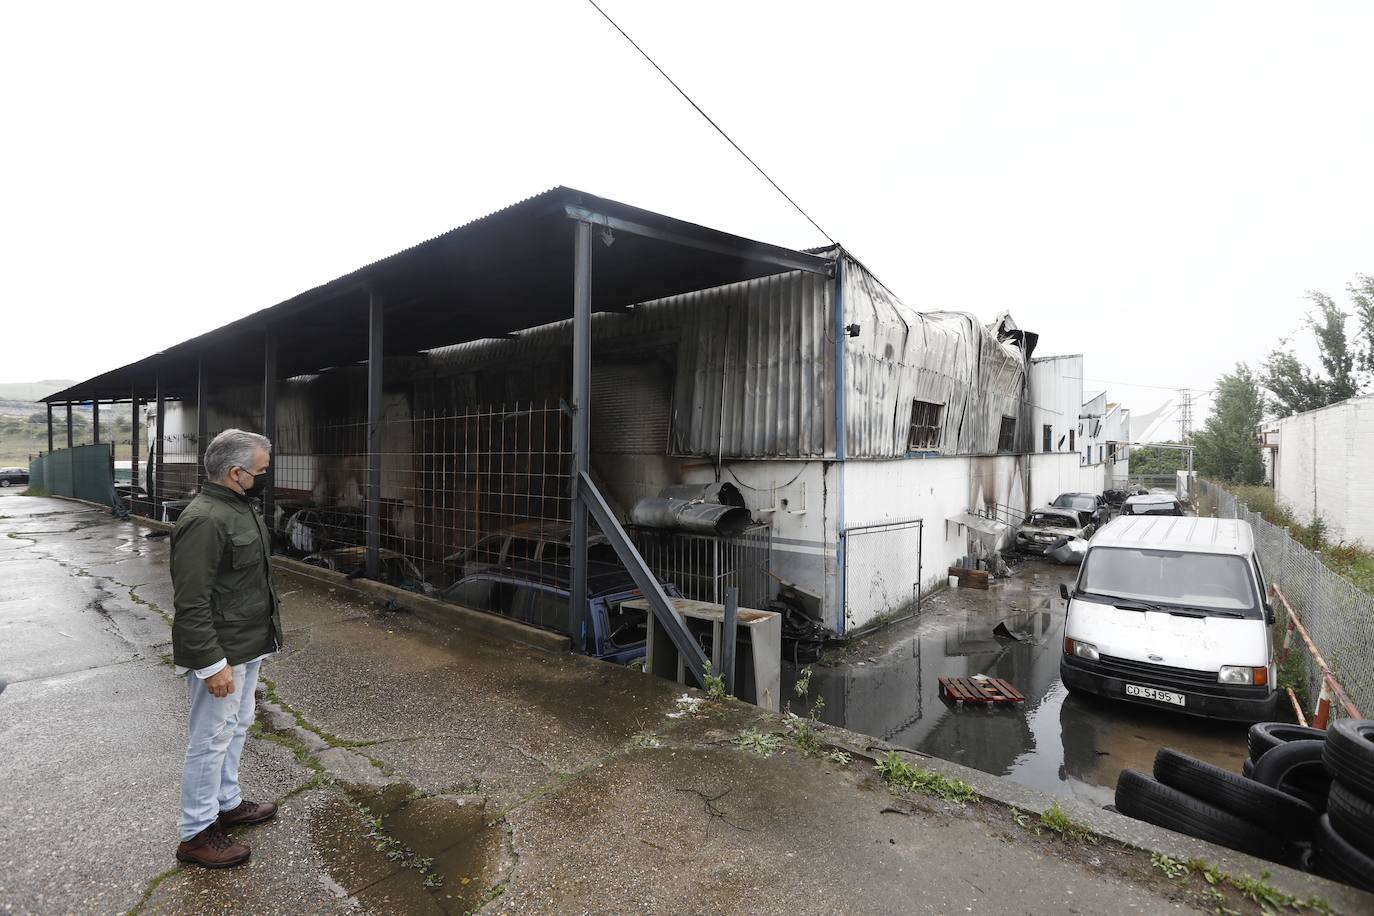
(508, 270)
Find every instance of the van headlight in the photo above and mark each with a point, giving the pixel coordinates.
(1080, 649)
(1242, 674)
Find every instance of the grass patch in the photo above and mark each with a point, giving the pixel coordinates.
(898, 774)
(1256, 890)
(36, 491)
(1056, 820)
(1353, 561)
(765, 744)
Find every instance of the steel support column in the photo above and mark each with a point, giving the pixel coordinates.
(269, 419)
(159, 431)
(69, 424)
(582, 425)
(133, 446)
(374, 435)
(49, 429)
(202, 415)
(95, 422)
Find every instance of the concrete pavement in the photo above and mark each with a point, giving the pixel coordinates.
(423, 768)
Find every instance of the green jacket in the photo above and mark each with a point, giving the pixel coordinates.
(226, 605)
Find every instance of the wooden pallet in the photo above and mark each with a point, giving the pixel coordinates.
(968, 690)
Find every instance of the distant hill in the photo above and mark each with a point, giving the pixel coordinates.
(32, 391)
(24, 422)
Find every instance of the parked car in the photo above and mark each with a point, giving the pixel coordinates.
(10, 477)
(1084, 502)
(539, 596)
(1045, 528)
(1172, 613)
(537, 543)
(395, 569)
(1153, 504)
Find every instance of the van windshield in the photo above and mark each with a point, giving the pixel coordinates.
(1202, 581)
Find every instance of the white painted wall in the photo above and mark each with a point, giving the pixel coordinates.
(1324, 463)
(1056, 398)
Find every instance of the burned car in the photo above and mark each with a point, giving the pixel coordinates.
(1044, 529)
(537, 543)
(1084, 502)
(538, 596)
(396, 569)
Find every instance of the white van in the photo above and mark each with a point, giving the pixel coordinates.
(1172, 612)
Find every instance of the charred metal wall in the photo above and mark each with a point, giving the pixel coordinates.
(945, 358)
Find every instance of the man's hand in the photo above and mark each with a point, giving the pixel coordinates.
(221, 683)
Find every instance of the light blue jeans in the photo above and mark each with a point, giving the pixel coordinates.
(210, 777)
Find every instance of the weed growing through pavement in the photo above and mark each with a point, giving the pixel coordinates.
(838, 756)
(804, 730)
(765, 744)
(1056, 820)
(646, 739)
(1173, 868)
(714, 683)
(898, 774)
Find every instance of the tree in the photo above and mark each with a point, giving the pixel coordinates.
(1228, 446)
(1295, 387)
(1146, 459)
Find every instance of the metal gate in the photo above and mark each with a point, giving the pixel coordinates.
(882, 570)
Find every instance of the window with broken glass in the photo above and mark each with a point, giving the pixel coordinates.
(925, 426)
(1047, 438)
(1006, 437)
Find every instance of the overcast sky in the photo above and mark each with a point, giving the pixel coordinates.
(1155, 186)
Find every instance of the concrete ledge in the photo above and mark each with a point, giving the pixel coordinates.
(439, 613)
(1122, 829)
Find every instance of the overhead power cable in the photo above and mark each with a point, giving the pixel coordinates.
(709, 120)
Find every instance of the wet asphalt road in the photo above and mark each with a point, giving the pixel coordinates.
(1072, 746)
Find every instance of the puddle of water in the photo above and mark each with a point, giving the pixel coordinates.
(1070, 746)
(452, 831)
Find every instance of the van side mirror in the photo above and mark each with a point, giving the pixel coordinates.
(1064, 590)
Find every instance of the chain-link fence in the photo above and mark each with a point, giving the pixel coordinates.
(882, 572)
(1338, 615)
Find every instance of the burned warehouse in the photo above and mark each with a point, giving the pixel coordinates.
(743, 416)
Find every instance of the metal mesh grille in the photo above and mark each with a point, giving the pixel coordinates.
(1338, 615)
(882, 571)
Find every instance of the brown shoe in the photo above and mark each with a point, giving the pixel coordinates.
(247, 814)
(213, 848)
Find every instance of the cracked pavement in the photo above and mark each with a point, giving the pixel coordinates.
(425, 769)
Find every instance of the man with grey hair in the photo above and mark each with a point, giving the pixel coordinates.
(226, 623)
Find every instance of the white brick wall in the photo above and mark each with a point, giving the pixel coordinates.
(1326, 462)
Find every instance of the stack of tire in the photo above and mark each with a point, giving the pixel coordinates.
(1306, 798)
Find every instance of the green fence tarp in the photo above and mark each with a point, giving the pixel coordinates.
(83, 472)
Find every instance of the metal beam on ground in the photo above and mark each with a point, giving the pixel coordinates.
(269, 418)
(374, 435)
(765, 254)
(202, 415)
(582, 427)
(664, 612)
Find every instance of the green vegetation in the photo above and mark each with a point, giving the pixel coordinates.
(1056, 820)
(804, 730)
(1353, 561)
(1257, 890)
(898, 774)
(1146, 459)
(714, 684)
(765, 744)
(1226, 448)
(1296, 388)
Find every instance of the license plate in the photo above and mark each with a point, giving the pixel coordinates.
(1150, 693)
